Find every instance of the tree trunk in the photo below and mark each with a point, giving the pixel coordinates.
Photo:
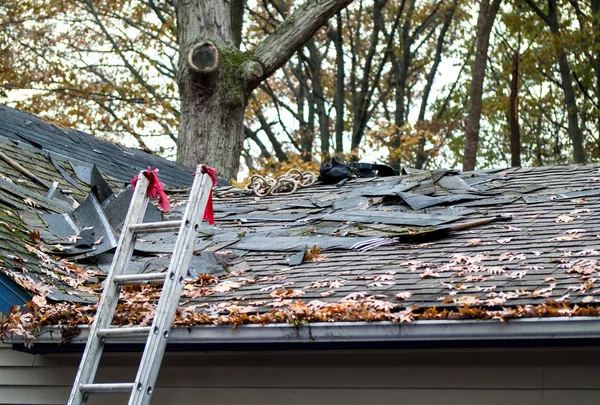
(361, 109)
(340, 91)
(315, 63)
(485, 22)
(215, 78)
(513, 113)
(538, 136)
(551, 19)
(214, 97)
(596, 56)
(439, 48)
(401, 74)
(596, 32)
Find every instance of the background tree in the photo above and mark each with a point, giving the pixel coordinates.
(382, 80)
(485, 21)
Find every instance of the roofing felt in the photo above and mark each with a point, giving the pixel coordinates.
(113, 160)
(306, 256)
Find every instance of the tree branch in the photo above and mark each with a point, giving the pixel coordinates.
(538, 11)
(250, 134)
(278, 47)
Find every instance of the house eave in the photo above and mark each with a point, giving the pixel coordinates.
(345, 334)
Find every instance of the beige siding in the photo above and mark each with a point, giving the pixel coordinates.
(540, 377)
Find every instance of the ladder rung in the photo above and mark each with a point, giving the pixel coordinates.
(133, 279)
(163, 226)
(123, 331)
(106, 388)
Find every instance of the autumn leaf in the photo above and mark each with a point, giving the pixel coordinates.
(504, 240)
(475, 278)
(406, 315)
(564, 219)
(486, 289)
(544, 292)
(496, 270)
(580, 211)
(492, 302)
(381, 283)
(30, 202)
(403, 295)
(286, 293)
(73, 238)
(468, 300)
(429, 273)
(40, 300)
(226, 285)
(473, 242)
(571, 236)
(581, 200)
(327, 284)
(35, 236)
(516, 274)
(313, 255)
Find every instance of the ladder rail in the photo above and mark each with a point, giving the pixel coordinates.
(140, 391)
(171, 293)
(110, 296)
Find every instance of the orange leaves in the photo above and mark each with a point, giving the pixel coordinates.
(79, 79)
(313, 255)
(35, 236)
(473, 242)
(286, 293)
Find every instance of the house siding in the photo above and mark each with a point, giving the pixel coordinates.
(540, 377)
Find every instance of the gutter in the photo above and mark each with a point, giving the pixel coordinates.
(350, 334)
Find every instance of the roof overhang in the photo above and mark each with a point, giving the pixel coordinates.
(443, 333)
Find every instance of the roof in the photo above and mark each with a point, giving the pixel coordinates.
(58, 143)
(378, 249)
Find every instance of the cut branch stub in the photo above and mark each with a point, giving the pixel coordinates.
(253, 70)
(203, 57)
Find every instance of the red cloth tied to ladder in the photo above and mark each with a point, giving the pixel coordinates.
(155, 188)
(209, 213)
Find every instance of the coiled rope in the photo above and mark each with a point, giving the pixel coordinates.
(287, 183)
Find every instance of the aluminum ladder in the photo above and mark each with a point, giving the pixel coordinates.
(173, 281)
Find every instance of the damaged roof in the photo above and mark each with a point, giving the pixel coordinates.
(82, 150)
(439, 244)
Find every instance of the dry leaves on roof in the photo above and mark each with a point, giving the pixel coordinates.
(313, 255)
(564, 219)
(473, 242)
(403, 295)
